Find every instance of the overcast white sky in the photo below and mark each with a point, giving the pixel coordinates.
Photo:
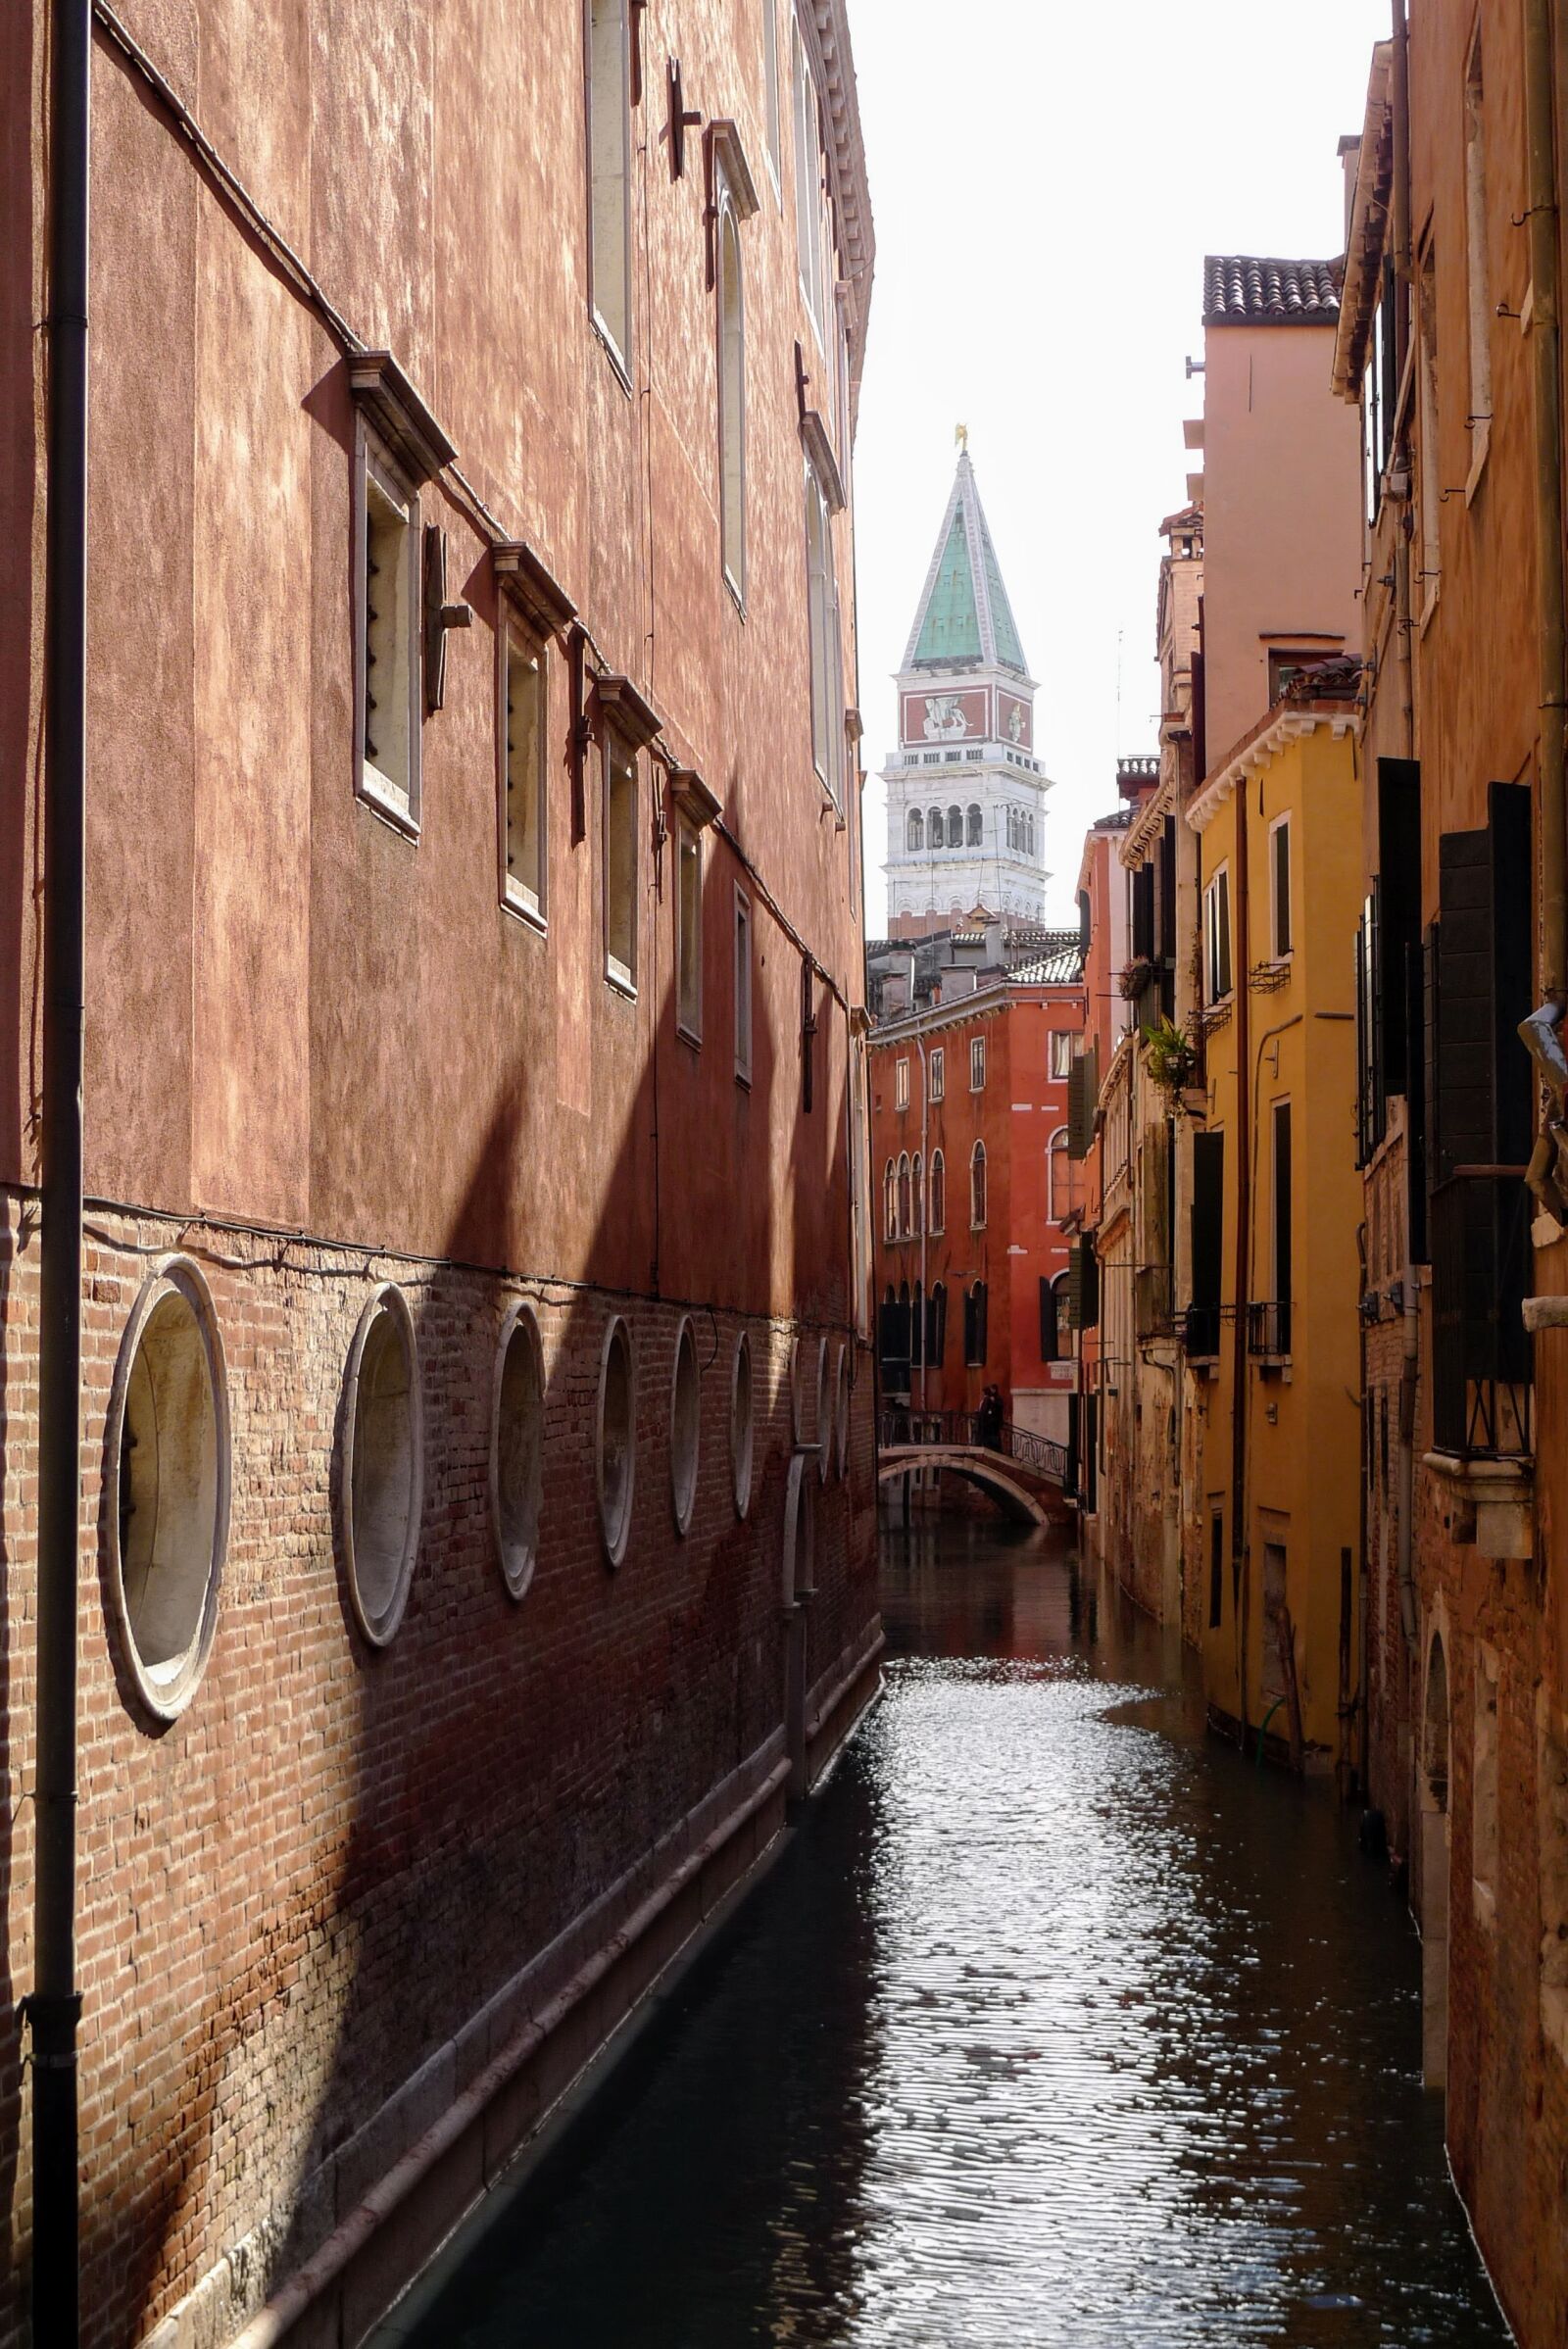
(1046, 180)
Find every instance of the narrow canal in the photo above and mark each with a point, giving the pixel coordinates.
(1056, 2024)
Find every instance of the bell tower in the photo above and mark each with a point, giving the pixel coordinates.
(966, 789)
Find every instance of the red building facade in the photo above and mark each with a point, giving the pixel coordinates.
(477, 1258)
(969, 1147)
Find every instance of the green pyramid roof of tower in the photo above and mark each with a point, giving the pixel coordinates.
(952, 625)
(965, 618)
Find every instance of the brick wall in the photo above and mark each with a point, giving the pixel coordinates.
(298, 1891)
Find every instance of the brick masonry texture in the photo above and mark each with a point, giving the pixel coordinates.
(309, 1883)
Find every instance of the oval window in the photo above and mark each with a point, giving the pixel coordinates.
(383, 1465)
(516, 1448)
(685, 1426)
(168, 1471)
(824, 1413)
(741, 1424)
(616, 1448)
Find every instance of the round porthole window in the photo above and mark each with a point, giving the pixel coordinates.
(516, 1448)
(616, 1451)
(842, 1411)
(741, 1424)
(685, 1426)
(167, 1479)
(383, 1463)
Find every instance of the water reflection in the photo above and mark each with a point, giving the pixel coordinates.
(1058, 2025)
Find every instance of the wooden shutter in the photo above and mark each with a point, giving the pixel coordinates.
(1047, 1320)
(1209, 1217)
(1480, 991)
(936, 1325)
(1083, 1286)
(1144, 913)
(1281, 881)
(1398, 910)
(1083, 1091)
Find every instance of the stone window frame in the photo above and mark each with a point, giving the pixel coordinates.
(742, 1429)
(937, 1194)
(398, 449)
(166, 1694)
(521, 1326)
(684, 1475)
(977, 1064)
(613, 323)
(901, 1083)
(743, 980)
(616, 1535)
(518, 637)
(381, 1626)
(823, 1427)
(841, 1399)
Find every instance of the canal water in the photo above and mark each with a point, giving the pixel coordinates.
(1058, 2025)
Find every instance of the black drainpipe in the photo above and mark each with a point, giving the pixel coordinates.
(54, 2004)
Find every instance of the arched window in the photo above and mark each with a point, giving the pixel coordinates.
(731, 400)
(974, 826)
(914, 830)
(890, 1201)
(1031, 836)
(1060, 1176)
(905, 1223)
(977, 1187)
(918, 1194)
(934, 828)
(939, 1193)
(955, 827)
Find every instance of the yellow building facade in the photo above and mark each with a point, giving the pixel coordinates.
(1271, 1334)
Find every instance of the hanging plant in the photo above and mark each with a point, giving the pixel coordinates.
(1170, 1056)
(1136, 976)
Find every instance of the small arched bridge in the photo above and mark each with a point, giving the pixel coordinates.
(1027, 1473)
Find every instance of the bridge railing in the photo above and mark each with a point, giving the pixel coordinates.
(900, 1423)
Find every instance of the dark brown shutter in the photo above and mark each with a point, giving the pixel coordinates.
(1481, 990)
(1047, 1320)
(1209, 1217)
(1144, 913)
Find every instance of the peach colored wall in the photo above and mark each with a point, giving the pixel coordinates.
(296, 1014)
(1282, 526)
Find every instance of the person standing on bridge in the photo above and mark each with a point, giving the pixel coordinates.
(987, 1428)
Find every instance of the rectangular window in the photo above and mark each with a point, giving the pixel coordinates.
(1283, 1258)
(808, 186)
(520, 729)
(1061, 1053)
(1279, 874)
(620, 862)
(689, 932)
(743, 986)
(610, 174)
(939, 1074)
(974, 1326)
(1217, 937)
(1216, 1569)
(1427, 483)
(901, 1084)
(731, 328)
(388, 637)
(771, 106)
(977, 1064)
(1478, 269)
(822, 620)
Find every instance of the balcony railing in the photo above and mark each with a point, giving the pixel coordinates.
(1481, 1351)
(1269, 1329)
(962, 1429)
(1199, 1333)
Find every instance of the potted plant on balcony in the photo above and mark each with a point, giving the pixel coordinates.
(1172, 1060)
(1136, 975)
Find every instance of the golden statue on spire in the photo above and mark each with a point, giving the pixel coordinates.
(960, 433)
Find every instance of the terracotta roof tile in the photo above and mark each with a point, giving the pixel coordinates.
(1242, 290)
